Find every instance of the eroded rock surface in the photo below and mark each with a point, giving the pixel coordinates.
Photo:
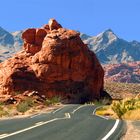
(54, 61)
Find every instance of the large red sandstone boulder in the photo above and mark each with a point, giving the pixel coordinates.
(54, 61)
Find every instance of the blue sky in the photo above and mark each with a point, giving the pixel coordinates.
(88, 16)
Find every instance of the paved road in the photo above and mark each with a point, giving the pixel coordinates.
(72, 122)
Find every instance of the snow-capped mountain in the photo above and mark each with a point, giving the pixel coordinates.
(110, 49)
(18, 42)
(6, 38)
(9, 43)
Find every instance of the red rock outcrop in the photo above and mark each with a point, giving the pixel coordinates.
(54, 61)
(33, 39)
(125, 72)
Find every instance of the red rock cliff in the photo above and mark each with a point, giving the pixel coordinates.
(54, 61)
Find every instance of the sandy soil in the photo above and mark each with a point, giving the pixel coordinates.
(133, 131)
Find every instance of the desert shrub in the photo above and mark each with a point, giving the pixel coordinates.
(47, 102)
(1, 103)
(3, 112)
(121, 107)
(30, 102)
(55, 99)
(25, 105)
(52, 101)
(137, 103)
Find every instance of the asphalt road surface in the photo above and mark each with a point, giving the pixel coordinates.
(71, 122)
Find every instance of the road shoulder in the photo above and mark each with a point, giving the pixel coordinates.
(133, 130)
(28, 114)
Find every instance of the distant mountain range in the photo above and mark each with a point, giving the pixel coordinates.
(110, 49)
(9, 43)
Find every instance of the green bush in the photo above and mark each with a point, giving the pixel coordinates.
(53, 100)
(30, 102)
(48, 102)
(121, 107)
(25, 105)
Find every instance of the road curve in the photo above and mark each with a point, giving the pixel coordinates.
(72, 122)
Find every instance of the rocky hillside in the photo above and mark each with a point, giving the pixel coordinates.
(54, 61)
(110, 49)
(9, 43)
(126, 72)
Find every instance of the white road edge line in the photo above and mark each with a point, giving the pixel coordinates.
(111, 131)
(34, 126)
(78, 108)
(102, 117)
(94, 111)
(58, 109)
(3, 135)
(35, 115)
(39, 123)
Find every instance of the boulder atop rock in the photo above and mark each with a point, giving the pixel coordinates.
(54, 61)
(53, 24)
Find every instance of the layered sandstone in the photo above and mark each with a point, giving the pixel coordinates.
(54, 61)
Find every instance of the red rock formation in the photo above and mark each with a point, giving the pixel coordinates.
(126, 72)
(53, 24)
(54, 61)
(33, 39)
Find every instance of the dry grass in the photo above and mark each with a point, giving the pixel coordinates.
(106, 111)
(128, 109)
(132, 115)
